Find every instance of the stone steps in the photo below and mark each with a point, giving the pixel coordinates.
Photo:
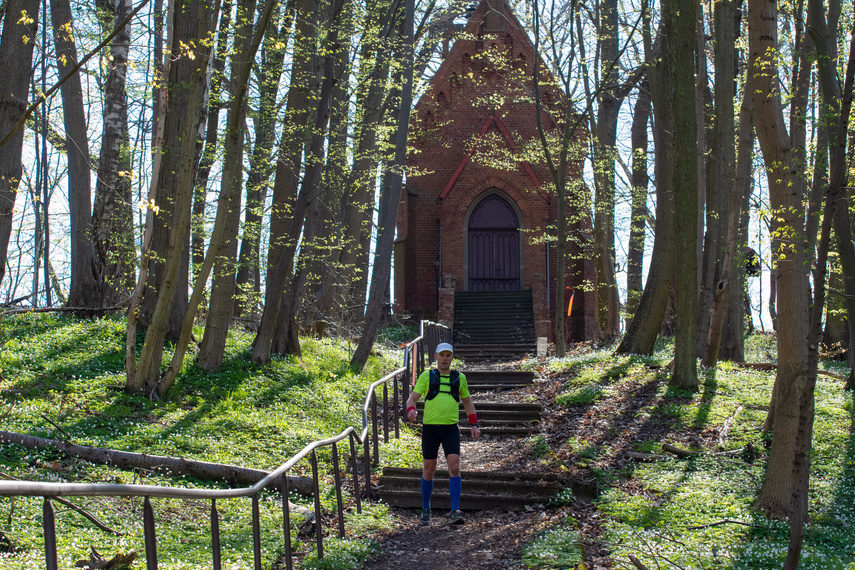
(497, 380)
(401, 487)
(498, 418)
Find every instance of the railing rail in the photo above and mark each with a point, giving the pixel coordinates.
(415, 353)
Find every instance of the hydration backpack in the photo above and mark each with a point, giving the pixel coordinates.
(436, 381)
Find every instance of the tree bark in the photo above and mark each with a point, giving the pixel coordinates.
(389, 200)
(304, 85)
(168, 203)
(604, 172)
(638, 216)
(722, 173)
(277, 330)
(208, 152)
(172, 466)
(85, 287)
(16, 56)
(644, 328)
(681, 17)
(221, 306)
(248, 279)
(287, 340)
(112, 218)
(835, 199)
(359, 205)
(788, 255)
(193, 20)
(225, 211)
(733, 248)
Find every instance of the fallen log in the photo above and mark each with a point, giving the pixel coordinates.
(638, 456)
(678, 451)
(98, 562)
(725, 429)
(172, 466)
(769, 366)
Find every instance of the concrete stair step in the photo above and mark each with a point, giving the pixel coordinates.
(481, 489)
(497, 380)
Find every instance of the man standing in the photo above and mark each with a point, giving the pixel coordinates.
(445, 389)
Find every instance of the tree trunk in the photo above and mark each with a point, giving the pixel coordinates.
(277, 330)
(165, 223)
(389, 200)
(221, 307)
(722, 173)
(172, 466)
(248, 279)
(303, 87)
(208, 153)
(681, 16)
(193, 20)
(288, 336)
(225, 211)
(824, 39)
(85, 287)
(16, 57)
(112, 219)
(323, 295)
(356, 239)
(733, 250)
(638, 216)
(791, 381)
(842, 103)
(604, 171)
(644, 328)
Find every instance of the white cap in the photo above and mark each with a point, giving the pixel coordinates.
(443, 346)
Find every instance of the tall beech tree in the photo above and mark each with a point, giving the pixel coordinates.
(788, 231)
(16, 56)
(679, 17)
(390, 197)
(261, 164)
(192, 22)
(278, 330)
(638, 214)
(221, 306)
(835, 200)
(85, 288)
(643, 329)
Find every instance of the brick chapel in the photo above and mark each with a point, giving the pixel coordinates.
(478, 201)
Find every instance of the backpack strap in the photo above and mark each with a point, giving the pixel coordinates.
(435, 381)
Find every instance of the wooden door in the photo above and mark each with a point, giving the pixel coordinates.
(494, 246)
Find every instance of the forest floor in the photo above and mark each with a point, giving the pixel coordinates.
(495, 539)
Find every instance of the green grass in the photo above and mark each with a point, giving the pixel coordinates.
(655, 516)
(553, 549)
(63, 377)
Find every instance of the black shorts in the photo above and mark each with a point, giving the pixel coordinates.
(435, 434)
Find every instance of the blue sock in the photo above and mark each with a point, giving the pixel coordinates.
(455, 486)
(427, 489)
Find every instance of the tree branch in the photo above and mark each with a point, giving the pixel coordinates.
(70, 73)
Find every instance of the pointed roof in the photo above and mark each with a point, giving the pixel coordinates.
(491, 120)
(492, 22)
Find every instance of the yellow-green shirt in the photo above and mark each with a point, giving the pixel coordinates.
(443, 409)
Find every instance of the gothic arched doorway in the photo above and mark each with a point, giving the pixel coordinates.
(493, 236)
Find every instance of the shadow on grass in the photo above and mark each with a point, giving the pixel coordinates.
(828, 542)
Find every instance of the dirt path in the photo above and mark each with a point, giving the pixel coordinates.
(490, 539)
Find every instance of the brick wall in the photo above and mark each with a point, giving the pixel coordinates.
(468, 134)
